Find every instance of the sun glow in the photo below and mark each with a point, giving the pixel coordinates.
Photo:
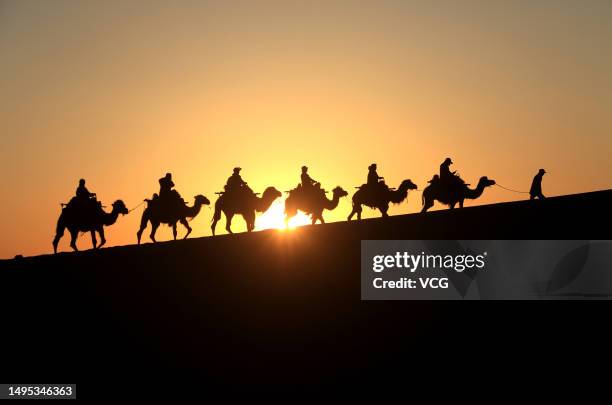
(274, 218)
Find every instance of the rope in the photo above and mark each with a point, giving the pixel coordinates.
(139, 205)
(509, 189)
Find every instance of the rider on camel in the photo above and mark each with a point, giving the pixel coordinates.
(373, 177)
(82, 193)
(307, 181)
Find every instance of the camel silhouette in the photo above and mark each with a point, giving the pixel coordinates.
(245, 203)
(157, 214)
(453, 194)
(379, 196)
(311, 202)
(90, 218)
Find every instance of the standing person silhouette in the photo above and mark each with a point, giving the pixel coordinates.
(536, 186)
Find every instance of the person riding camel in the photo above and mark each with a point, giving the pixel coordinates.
(235, 182)
(307, 181)
(445, 173)
(373, 177)
(168, 197)
(83, 198)
(82, 193)
(165, 186)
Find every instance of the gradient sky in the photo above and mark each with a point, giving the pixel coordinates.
(120, 92)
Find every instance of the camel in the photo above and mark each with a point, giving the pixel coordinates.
(313, 205)
(90, 219)
(157, 214)
(380, 197)
(244, 203)
(452, 195)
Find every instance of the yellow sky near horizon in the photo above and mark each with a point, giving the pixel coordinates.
(122, 92)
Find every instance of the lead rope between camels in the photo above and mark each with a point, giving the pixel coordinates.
(139, 205)
(509, 189)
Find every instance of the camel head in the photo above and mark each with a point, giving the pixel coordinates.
(119, 207)
(485, 182)
(339, 191)
(271, 193)
(408, 184)
(201, 200)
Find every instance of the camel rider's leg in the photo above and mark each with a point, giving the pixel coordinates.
(186, 225)
(94, 241)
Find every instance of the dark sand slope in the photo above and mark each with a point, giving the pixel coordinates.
(265, 307)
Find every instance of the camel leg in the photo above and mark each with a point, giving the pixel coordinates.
(460, 203)
(73, 238)
(228, 222)
(59, 232)
(102, 238)
(154, 226)
(94, 241)
(321, 218)
(216, 218)
(356, 210)
(214, 225)
(143, 224)
(383, 209)
(289, 213)
(250, 221)
(452, 205)
(174, 230)
(186, 225)
(427, 205)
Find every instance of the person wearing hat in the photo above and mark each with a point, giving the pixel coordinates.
(234, 182)
(373, 176)
(536, 186)
(307, 181)
(445, 172)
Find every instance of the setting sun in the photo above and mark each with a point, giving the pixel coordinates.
(274, 218)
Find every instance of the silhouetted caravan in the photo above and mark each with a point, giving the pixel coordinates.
(312, 201)
(453, 193)
(379, 196)
(536, 186)
(169, 208)
(238, 198)
(85, 214)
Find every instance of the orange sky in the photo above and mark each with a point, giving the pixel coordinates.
(122, 93)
